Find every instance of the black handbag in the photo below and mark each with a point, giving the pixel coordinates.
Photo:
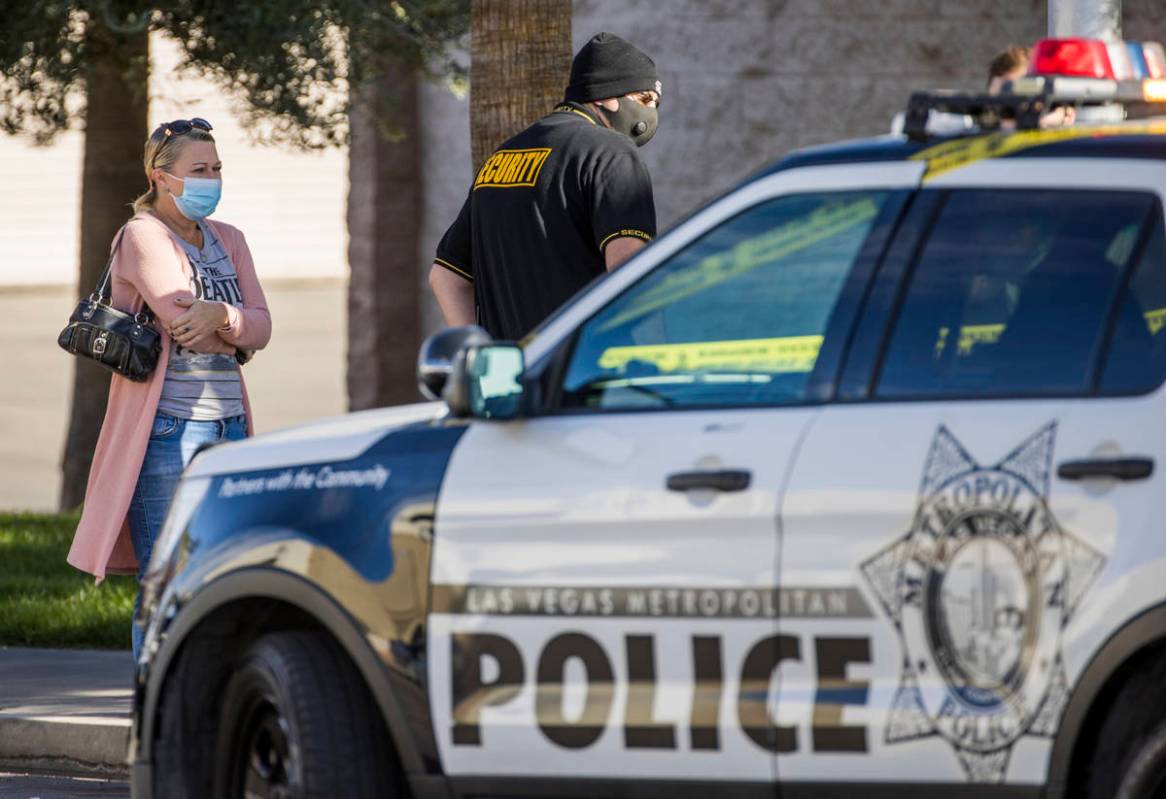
(118, 341)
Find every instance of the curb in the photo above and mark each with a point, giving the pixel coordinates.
(90, 745)
(66, 709)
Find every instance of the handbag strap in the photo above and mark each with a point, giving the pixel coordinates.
(104, 293)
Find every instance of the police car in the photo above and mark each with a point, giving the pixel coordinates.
(845, 486)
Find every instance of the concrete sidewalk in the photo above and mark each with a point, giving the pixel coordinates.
(65, 709)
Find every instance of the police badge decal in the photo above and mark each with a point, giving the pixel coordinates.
(979, 590)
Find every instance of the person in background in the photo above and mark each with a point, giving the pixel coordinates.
(198, 279)
(557, 204)
(1008, 65)
(1013, 63)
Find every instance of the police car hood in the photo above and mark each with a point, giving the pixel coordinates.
(338, 438)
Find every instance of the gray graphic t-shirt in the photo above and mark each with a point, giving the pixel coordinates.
(205, 386)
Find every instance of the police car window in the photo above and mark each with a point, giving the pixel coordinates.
(1137, 354)
(737, 317)
(1011, 293)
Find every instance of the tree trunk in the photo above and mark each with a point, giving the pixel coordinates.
(384, 224)
(116, 74)
(520, 60)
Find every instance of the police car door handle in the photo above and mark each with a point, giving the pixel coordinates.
(1115, 468)
(715, 480)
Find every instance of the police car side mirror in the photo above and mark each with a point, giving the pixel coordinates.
(437, 354)
(486, 382)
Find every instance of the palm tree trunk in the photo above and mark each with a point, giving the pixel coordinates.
(115, 129)
(384, 223)
(520, 54)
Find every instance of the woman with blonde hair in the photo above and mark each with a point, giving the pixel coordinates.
(197, 278)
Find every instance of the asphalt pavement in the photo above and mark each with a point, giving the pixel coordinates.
(65, 708)
(24, 785)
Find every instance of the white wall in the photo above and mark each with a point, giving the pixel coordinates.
(289, 204)
(39, 210)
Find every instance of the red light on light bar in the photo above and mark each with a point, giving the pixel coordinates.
(1083, 58)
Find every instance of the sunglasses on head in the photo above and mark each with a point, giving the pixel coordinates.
(181, 126)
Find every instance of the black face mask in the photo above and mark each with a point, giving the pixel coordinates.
(637, 122)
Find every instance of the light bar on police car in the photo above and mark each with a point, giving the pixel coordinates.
(1094, 58)
(1086, 58)
(1101, 77)
(1155, 57)
(1091, 69)
(1154, 91)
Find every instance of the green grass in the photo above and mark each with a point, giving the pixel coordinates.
(46, 602)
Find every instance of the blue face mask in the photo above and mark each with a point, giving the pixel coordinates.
(199, 198)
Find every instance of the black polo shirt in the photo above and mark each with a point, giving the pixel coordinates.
(540, 213)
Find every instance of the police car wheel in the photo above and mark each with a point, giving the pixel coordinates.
(298, 722)
(1146, 776)
(1128, 757)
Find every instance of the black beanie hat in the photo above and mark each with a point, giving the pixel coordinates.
(607, 66)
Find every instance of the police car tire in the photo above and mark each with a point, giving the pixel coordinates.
(1146, 776)
(338, 742)
(184, 740)
(1131, 741)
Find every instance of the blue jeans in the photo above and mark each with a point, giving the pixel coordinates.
(173, 443)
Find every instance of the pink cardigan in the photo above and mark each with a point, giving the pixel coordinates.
(151, 266)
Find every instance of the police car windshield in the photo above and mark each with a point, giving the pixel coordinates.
(738, 316)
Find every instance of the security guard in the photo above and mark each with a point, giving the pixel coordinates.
(558, 203)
